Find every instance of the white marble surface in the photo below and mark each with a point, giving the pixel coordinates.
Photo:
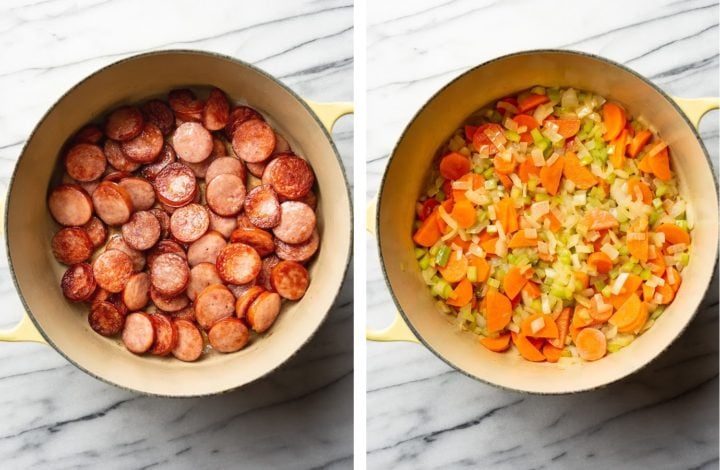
(421, 413)
(53, 415)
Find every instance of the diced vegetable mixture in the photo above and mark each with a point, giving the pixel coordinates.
(553, 222)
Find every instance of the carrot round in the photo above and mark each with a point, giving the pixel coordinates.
(549, 329)
(563, 324)
(582, 277)
(527, 168)
(498, 310)
(551, 353)
(617, 158)
(627, 314)
(642, 318)
(464, 214)
(638, 142)
(513, 282)
(631, 285)
(497, 344)
(525, 120)
(481, 139)
(577, 173)
(550, 176)
(675, 285)
(674, 234)
(614, 119)
(600, 261)
(599, 219)
(454, 165)
(555, 224)
(531, 101)
(636, 246)
(636, 187)
(519, 240)
(462, 295)
(567, 127)
(532, 290)
(489, 245)
(507, 215)
(429, 232)
(473, 179)
(526, 348)
(660, 164)
(503, 166)
(482, 267)
(591, 344)
(455, 269)
(644, 165)
(666, 292)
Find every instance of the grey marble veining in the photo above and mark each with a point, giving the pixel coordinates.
(55, 416)
(423, 414)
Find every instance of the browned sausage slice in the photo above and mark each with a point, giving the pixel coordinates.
(188, 313)
(189, 223)
(117, 242)
(192, 142)
(290, 279)
(253, 140)
(136, 294)
(169, 274)
(112, 203)
(297, 222)
(281, 145)
(89, 134)
(175, 185)
(290, 176)
(78, 282)
(206, 248)
(262, 206)
(164, 220)
(85, 162)
(228, 335)
(141, 192)
(310, 199)
(225, 194)
(167, 303)
(112, 270)
(243, 221)
(214, 303)
(201, 276)
(238, 263)
(190, 342)
(238, 116)
(245, 299)
(166, 335)
(72, 245)
(184, 103)
(217, 110)
(138, 334)
(145, 147)
(257, 169)
(105, 319)
(116, 157)
(166, 157)
(165, 246)
(116, 176)
(223, 225)
(260, 240)
(70, 205)
(263, 279)
(263, 311)
(300, 252)
(225, 166)
(142, 231)
(124, 123)
(240, 289)
(97, 231)
(158, 113)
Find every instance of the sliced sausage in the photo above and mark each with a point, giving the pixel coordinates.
(201, 276)
(263, 279)
(117, 301)
(238, 263)
(112, 203)
(116, 176)
(200, 169)
(290, 279)
(112, 270)
(189, 223)
(310, 199)
(97, 231)
(297, 222)
(223, 225)
(70, 205)
(168, 303)
(117, 242)
(78, 282)
(165, 246)
(281, 145)
(225, 194)
(190, 342)
(72, 245)
(245, 299)
(166, 335)
(141, 192)
(253, 141)
(238, 116)
(100, 295)
(263, 311)
(142, 231)
(290, 176)
(145, 147)
(260, 240)
(185, 105)
(164, 220)
(85, 162)
(105, 319)
(240, 289)
(228, 335)
(257, 169)
(225, 166)
(214, 303)
(243, 221)
(124, 123)
(206, 248)
(300, 252)
(188, 313)
(169, 274)
(175, 185)
(192, 142)
(136, 294)
(166, 157)
(89, 134)
(138, 334)
(262, 207)
(217, 110)
(116, 157)
(158, 113)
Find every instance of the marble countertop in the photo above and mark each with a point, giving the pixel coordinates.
(55, 416)
(422, 413)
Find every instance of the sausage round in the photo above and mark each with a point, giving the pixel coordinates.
(257, 169)
(260, 240)
(166, 157)
(136, 294)
(175, 185)
(225, 166)
(262, 207)
(185, 105)
(245, 299)
(206, 248)
(78, 282)
(238, 263)
(173, 303)
(188, 313)
(142, 231)
(145, 147)
(228, 335)
(72, 245)
(201, 276)
(105, 319)
(116, 176)
(124, 123)
(141, 192)
(117, 242)
(223, 225)
(225, 194)
(97, 231)
(190, 342)
(112, 270)
(85, 162)
(169, 274)
(116, 157)
(165, 246)
(214, 303)
(166, 335)
(90, 134)
(281, 145)
(240, 289)
(217, 110)
(70, 205)
(156, 112)
(253, 140)
(139, 333)
(290, 176)
(164, 220)
(263, 279)
(112, 203)
(297, 222)
(290, 279)
(192, 142)
(300, 252)
(238, 116)
(263, 311)
(189, 223)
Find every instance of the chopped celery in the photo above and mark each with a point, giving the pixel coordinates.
(425, 262)
(542, 197)
(512, 136)
(489, 174)
(420, 252)
(606, 291)
(440, 196)
(623, 250)
(637, 270)
(438, 288)
(619, 342)
(553, 94)
(537, 138)
(653, 218)
(645, 274)
(447, 291)
(661, 189)
(536, 304)
(472, 274)
(658, 311)
(682, 223)
(532, 183)
(492, 282)
(442, 256)
(684, 258)
(657, 203)
(586, 160)
(434, 249)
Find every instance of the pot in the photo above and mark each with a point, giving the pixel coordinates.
(51, 319)
(413, 155)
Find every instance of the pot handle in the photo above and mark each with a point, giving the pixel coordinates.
(398, 329)
(25, 329)
(329, 113)
(695, 108)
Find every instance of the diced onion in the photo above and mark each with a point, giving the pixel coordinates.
(537, 157)
(537, 324)
(610, 250)
(545, 302)
(448, 220)
(635, 236)
(530, 233)
(677, 248)
(539, 209)
(619, 283)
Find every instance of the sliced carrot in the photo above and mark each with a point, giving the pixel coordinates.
(531, 101)
(519, 240)
(582, 277)
(657, 267)
(644, 165)
(555, 224)
(465, 245)
(675, 285)
(614, 119)
(429, 232)
(599, 219)
(674, 234)
(464, 214)
(550, 176)
(476, 182)
(447, 205)
(666, 292)
(617, 158)
(648, 293)
(577, 173)
(462, 295)
(639, 247)
(660, 164)
(600, 261)
(627, 314)
(507, 215)
(490, 245)
(637, 187)
(513, 282)
(498, 310)
(525, 120)
(632, 284)
(482, 267)
(498, 344)
(551, 353)
(503, 166)
(527, 168)
(505, 180)
(454, 165)
(532, 290)
(455, 269)
(642, 318)
(581, 318)
(481, 139)
(591, 344)
(567, 127)
(600, 316)
(563, 324)
(549, 329)
(638, 142)
(526, 348)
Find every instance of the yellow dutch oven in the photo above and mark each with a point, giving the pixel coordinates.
(418, 319)
(29, 227)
